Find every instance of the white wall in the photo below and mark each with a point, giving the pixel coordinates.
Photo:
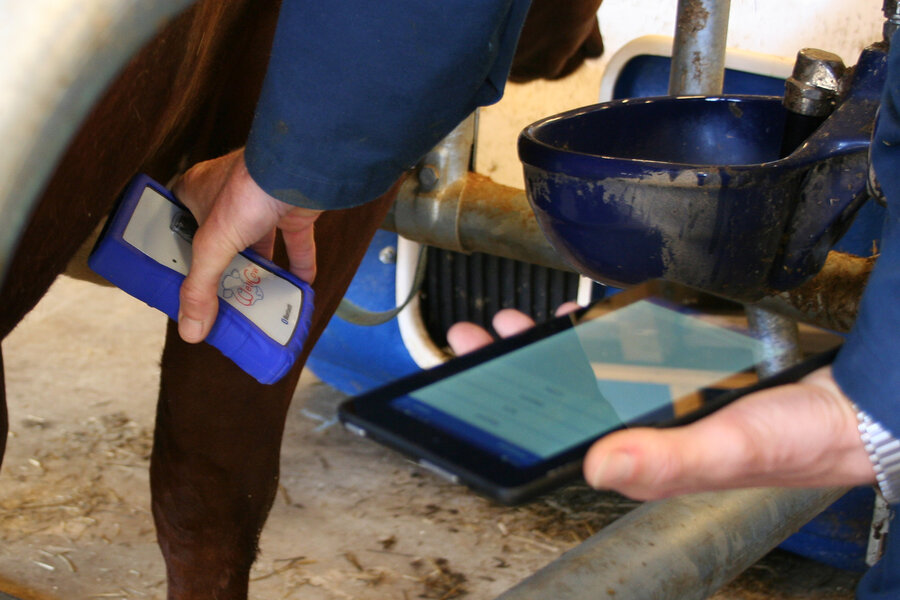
(778, 27)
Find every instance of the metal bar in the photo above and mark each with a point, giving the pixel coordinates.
(780, 337)
(698, 67)
(58, 56)
(698, 50)
(680, 549)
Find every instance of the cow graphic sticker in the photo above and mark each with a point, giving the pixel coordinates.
(242, 286)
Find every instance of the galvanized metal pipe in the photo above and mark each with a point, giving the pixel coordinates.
(698, 50)
(474, 215)
(677, 549)
(58, 56)
(698, 67)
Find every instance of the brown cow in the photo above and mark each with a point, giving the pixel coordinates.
(189, 96)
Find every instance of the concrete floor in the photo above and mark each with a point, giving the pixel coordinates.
(352, 519)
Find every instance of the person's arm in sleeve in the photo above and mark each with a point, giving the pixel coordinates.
(868, 367)
(354, 95)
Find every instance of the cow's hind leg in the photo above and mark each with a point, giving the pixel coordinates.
(214, 471)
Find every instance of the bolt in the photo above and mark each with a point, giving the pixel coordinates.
(429, 176)
(815, 85)
(388, 255)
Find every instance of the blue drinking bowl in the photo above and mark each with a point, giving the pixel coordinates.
(692, 189)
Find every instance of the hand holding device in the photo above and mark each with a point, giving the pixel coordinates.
(263, 312)
(235, 213)
(801, 434)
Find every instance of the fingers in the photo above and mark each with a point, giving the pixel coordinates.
(298, 229)
(566, 307)
(199, 189)
(467, 337)
(648, 464)
(801, 435)
(509, 322)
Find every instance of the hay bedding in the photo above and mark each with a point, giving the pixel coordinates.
(54, 498)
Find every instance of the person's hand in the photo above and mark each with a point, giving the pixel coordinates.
(556, 39)
(799, 435)
(234, 214)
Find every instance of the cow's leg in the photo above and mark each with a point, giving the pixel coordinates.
(214, 470)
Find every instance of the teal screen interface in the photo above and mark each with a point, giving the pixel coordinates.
(641, 362)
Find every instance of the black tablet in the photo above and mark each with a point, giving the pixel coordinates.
(516, 418)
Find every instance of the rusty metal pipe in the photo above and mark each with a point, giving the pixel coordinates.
(831, 298)
(447, 206)
(475, 214)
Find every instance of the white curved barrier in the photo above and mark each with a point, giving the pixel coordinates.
(58, 57)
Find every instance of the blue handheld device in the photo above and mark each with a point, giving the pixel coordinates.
(145, 249)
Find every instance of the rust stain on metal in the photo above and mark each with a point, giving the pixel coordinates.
(490, 198)
(697, 64)
(485, 190)
(832, 297)
(694, 17)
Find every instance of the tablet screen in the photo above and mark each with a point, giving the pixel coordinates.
(647, 361)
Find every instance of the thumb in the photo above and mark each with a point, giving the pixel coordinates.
(799, 435)
(199, 303)
(648, 464)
